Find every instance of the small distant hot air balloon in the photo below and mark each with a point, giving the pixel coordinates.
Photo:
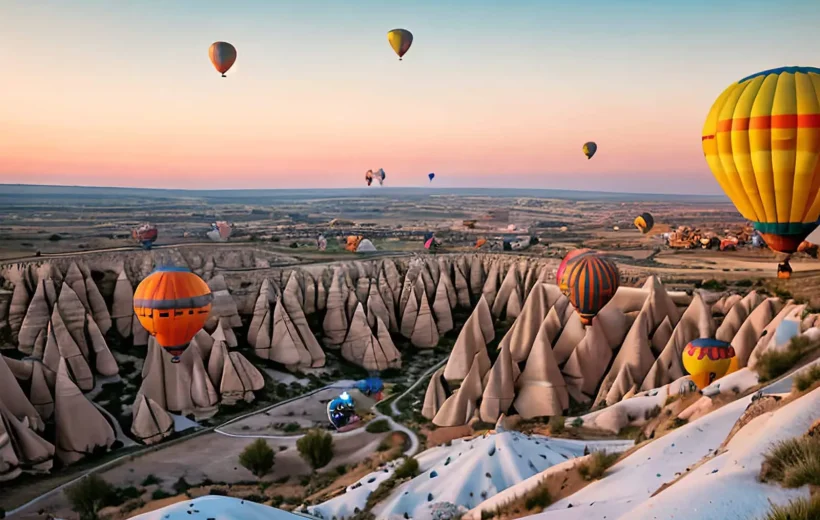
(706, 360)
(353, 242)
(589, 149)
(760, 141)
(431, 176)
(480, 242)
(146, 235)
(368, 176)
(321, 242)
(220, 231)
(592, 280)
(400, 40)
(380, 176)
(644, 222)
(559, 274)
(173, 304)
(223, 56)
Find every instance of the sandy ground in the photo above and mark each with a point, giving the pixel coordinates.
(308, 412)
(214, 457)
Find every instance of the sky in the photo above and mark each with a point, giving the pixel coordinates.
(491, 94)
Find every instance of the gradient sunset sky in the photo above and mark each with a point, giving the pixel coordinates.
(491, 94)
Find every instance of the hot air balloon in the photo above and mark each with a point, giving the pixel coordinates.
(644, 222)
(341, 411)
(431, 176)
(706, 360)
(353, 242)
(480, 242)
(368, 176)
(592, 280)
(400, 40)
(223, 56)
(173, 304)
(220, 231)
(559, 274)
(761, 140)
(589, 149)
(321, 242)
(146, 235)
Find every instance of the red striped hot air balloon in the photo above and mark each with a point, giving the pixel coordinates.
(592, 280)
(563, 267)
(173, 304)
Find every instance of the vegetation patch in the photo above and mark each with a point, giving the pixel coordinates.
(258, 458)
(793, 462)
(378, 426)
(596, 465)
(775, 363)
(557, 425)
(806, 379)
(801, 509)
(316, 447)
(538, 498)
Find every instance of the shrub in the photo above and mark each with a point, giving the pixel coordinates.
(652, 413)
(89, 495)
(379, 426)
(677, 422)
(800, 509)
(159, 494)
(774, 363)
(291, 427)
(316, 447)
(557, 424)
(55, 238)
(596, 465)
(793, 462)
(258, 458)
(384, 445)
(151, 480)
(408, 468)
(804, 380)
(341, 469)
(577, 422)
(713, 285)
(538, 499)
(181, 486)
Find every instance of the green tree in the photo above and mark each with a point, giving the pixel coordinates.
(89, 495)
(316, 447)
(258, 458)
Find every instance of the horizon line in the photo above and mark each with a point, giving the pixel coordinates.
(21, 185)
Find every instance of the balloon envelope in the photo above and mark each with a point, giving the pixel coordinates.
(644, 222)
(146, 235)
(589, 149)
(706, 360)
(592, 280)
(173, 304)
(400, 40)
(223, 56)
(431, 176)
(559, 274)
(761, 140)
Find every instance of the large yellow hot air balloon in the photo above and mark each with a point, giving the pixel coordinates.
(707, 359)
(400, 40)
(223, 56)
(762, 142)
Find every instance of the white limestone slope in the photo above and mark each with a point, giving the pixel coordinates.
(217, 507)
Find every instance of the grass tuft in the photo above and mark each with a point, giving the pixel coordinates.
(774, 363)
(597, 464)
(793, 462)
(801, 509)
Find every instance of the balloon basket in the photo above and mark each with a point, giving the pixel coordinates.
(175, 360)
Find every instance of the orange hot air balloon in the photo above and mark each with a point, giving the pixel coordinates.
(559, 274)
(223, 56)
(173, 304)
(480, 242)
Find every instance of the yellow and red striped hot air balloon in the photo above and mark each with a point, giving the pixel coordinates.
(762, 142)
(173, 304)
(400, 40)
(592, 280)
(223, 56)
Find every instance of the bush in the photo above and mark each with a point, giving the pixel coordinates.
(291, 427)
(181, 486)
(578, 422)
(774, 363)
(713, 285)
(379, 426)
(159, 494)
(55, 238)
(652, 413)
(804, 380)
(258, 458)
(538, 499)
(557, 424)
(89, 495)
(341, 469)
(384, 445)
(597, 464)
(408, 468)
(793, 462)
(316, 447)
(677, 422)
(800, 509)
(151, 480)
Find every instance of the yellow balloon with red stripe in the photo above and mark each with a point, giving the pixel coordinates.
(762, 142)
(707, 360)
(173, 304)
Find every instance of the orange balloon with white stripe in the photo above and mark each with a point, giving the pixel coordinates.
(173, 304)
